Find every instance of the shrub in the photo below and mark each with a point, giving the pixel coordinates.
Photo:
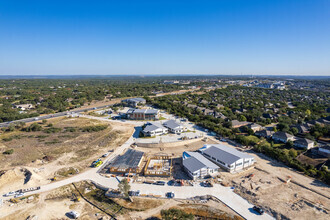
(94, 128)
(70, 129)
(52, 130)
(175, 214)
(7, 138)
(33, 127)
(8, 152)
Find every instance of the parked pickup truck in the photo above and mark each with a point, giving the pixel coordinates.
(160, 183)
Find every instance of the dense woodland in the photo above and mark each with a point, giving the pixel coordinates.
(57, 95)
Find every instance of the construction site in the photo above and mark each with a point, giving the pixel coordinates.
(129, 162)
(159, 166)
(284, 193)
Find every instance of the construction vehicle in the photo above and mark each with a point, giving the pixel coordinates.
(75, 198)
(53, 179)
(97, 163)
(12, 200)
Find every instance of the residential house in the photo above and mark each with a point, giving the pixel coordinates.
(238, 124)
(268, 115)
(255, 127)
(303, 143)
(192, 106)
(174, 127)
(154, 129)
(283, 137)
(264, 133)
(23, 107)
(303, 128)
(208, 112)
(323, 151)
(219, 115)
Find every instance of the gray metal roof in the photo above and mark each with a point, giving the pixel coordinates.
(152, 126)
(151, 111)
(130, 159)
(142, 111)
(192, 164)
(172, 124)
(201, 159)
(224, 153)
(194, 161)
(139, 110)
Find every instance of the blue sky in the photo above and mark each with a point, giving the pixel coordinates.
(165, 37)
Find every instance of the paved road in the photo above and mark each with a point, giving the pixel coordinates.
(55, 115)
(59, 114)
(225, 194)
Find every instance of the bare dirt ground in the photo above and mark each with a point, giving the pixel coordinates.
(267, 188)
(57, 203)
(39, 156)
(51, 205)
(167, 149)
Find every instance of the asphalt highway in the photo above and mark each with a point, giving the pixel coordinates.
(55, 115)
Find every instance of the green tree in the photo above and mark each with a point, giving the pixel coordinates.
(289, 143)
(293, 153)
(124, 187)
(241, 118)
(294, 130)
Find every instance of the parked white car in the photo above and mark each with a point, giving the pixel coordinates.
(74, 214)
(19, 195)
(105, 155)
(9, 194)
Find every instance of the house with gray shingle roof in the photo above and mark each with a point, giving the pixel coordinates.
(302, 128)
(283, 137)
(265, 133)
(304, 143)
